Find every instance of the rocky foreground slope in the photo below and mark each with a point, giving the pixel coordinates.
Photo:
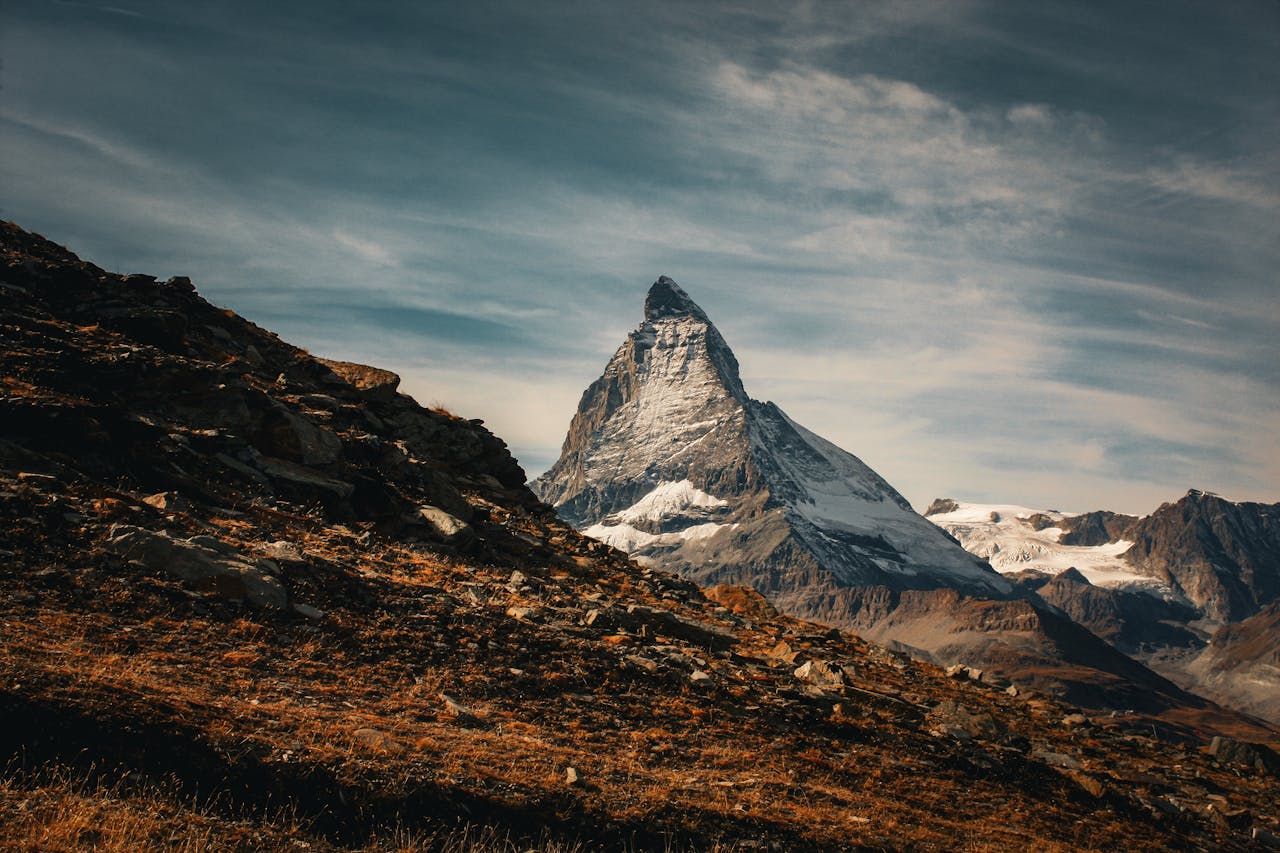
(253, 600)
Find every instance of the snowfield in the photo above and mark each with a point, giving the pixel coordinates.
(624, 537)
(667, 500)
(1002, 534)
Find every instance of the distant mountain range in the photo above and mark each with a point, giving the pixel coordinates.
(1220, 557)
(669, 459)
(1188, 590)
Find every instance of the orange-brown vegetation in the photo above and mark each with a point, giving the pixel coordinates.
(409, 705)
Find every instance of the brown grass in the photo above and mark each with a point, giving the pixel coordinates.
(60, 810)
(367, 701)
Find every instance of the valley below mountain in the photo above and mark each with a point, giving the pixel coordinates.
(252, 599)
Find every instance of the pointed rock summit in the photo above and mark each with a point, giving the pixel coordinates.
(668, 299)
(669, 459)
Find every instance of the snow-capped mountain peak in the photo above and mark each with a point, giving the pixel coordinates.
(671, 460)
(668, 299)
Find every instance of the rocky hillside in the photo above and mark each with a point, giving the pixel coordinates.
(1240, 666)
(255, 600)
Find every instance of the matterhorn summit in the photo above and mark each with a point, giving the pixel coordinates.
(668, 459)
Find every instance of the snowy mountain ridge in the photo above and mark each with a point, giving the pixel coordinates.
(1015, 538)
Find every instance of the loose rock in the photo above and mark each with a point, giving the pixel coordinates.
(203, 561)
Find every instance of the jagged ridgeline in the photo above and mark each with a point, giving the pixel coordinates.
(669, 459)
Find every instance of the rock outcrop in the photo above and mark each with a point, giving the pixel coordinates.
(1224, 556)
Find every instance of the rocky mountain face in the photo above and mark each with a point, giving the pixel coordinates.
(1135, 621)
(669, 459)
(1223, 556)
(1096, 528)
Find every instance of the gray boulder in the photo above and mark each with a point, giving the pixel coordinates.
(204, 562)
(445, 527)
(656, 621)
(820, 673)
(1230, 751)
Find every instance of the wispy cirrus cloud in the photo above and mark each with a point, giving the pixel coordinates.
(369, 250)
(1253, 187)
(118, 152)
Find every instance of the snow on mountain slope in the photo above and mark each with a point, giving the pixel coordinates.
(669, 499)
(1013, 538)
(674, 512)
(624, 537)
(837, 496)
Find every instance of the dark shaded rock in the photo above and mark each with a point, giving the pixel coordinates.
(654, 621)
(1095, 528)
(1041, 521)
(1255, 755)
(975, 724)
(307, 482)
(166, 329)
(1224, 556)
(1072, 575)
(286, 434)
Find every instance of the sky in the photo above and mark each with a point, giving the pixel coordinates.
(1003, 252)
